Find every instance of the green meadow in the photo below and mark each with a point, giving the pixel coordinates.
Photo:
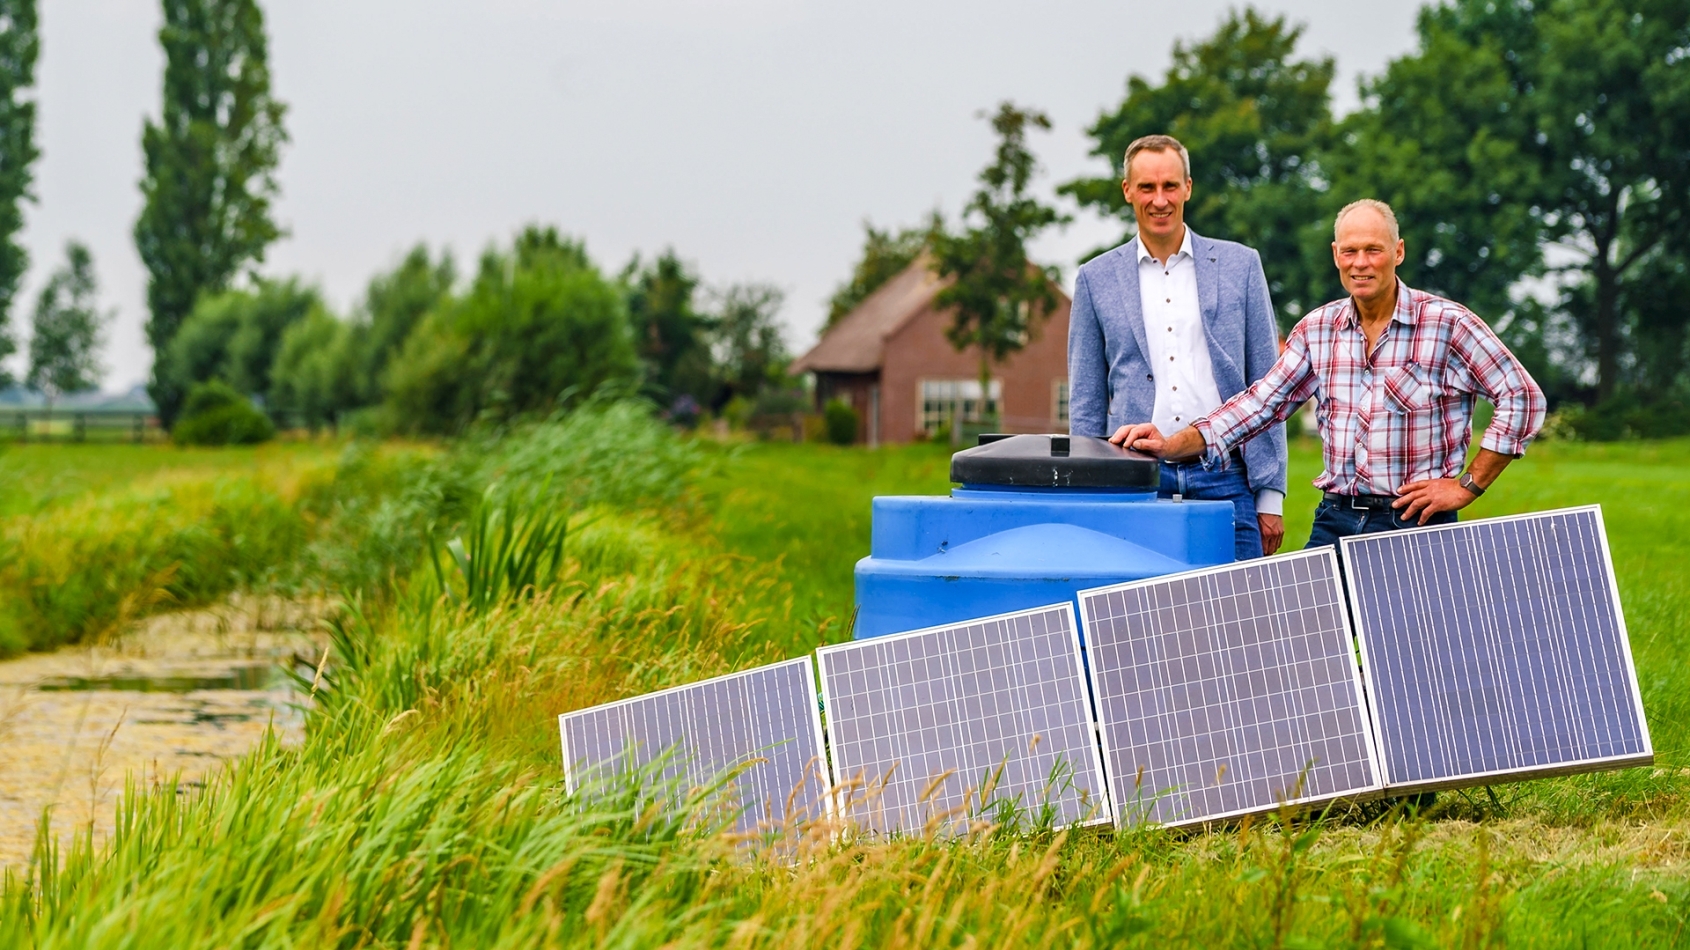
(426, 808)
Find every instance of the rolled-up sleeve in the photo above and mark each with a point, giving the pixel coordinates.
(1088, 370)
(1288, 383)
(1484, 365)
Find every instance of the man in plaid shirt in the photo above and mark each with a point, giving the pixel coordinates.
(1393, 372)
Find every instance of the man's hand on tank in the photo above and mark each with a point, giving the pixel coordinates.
(1419, 501)
(1273, 532)
(1140, 437)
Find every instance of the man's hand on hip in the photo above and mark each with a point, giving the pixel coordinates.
(1273, 532)
(1419, 501)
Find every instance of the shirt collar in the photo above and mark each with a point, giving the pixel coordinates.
(1184, 248)
(1406, 312)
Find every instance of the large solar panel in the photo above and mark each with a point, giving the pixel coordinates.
(1496, 648)
(940, 727)
(691, 735)
(1228, 691)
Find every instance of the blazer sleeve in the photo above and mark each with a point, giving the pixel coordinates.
(1088, 369)
(1268, 461)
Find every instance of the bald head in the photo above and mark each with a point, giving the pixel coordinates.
(1367, 249)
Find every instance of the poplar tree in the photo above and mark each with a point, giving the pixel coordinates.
(210, 163)
(19, 45)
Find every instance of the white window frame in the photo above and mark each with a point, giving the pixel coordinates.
(936, 402)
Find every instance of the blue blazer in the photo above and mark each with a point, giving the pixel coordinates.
(1110, 382)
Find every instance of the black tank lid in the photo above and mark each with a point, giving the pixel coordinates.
(1053, 461)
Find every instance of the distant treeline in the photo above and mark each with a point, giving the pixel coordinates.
(538, 324)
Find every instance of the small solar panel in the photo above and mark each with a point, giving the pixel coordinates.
(1228, 691)
(951, 723)
(693, 734)
(1496, 648)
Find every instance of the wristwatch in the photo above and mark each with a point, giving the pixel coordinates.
(1466, 481)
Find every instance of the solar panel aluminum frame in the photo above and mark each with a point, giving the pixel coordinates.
(1103, 815)
(1368, 733)
(572, 781)
(1480, 778)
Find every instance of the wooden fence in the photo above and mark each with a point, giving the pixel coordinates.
(79, 425)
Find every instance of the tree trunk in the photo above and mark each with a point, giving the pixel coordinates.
(1607, 328)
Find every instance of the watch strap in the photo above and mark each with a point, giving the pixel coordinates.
(1466, 481)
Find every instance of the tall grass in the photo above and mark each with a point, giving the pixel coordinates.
(426, 805)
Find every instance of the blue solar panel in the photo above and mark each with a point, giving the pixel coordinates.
(945, 725)
(1496, 649)
(693, 734)
(1228, 691)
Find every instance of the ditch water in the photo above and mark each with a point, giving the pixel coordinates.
(172, 700)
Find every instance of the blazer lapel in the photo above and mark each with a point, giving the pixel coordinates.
(1208, 301)
(1126, 279)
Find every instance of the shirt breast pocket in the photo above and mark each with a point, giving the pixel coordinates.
(1410, 387)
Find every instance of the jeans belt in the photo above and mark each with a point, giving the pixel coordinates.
(1361, 502)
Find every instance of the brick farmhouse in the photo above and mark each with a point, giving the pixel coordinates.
(889, 358)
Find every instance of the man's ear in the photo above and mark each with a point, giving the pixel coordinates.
(1401, 248)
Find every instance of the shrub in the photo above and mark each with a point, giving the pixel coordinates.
(841, 422)
(537, 323)
(215, 414)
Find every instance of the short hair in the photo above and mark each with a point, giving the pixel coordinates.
(1154, 143)
(1377, 205)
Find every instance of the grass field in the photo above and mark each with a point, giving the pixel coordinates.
(426, 809)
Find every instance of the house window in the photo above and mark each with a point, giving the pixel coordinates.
(1059, 403)
(943, 398)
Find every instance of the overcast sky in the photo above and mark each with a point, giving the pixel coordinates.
(753, 136)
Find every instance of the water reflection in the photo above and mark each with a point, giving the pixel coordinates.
(169, 703)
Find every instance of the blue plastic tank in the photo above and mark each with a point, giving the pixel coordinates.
(1036, 519)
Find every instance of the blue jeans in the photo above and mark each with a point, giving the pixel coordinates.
(1332, 522)
(1191, 480)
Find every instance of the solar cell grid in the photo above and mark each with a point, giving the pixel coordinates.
(1227, 691)
(690, 735)
(923, 725)
(1496, 648)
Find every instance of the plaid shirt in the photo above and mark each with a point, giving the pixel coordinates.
(1403, 416)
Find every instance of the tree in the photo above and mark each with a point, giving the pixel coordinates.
(210, 162)
(233, 336)
(314, 376)
(65, 342)
(1520, 121)
(538, 323)
(19, 45)
(996, 295)
(1254, 119)
(670, 334)
(885, 255)
(749, 351)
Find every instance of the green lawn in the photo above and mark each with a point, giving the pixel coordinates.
(35, 476)
(425, 808)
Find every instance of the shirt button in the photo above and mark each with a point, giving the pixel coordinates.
(1169, 300)
(1176, 389)
(1170, 359)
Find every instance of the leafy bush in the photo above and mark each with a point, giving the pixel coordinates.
(538, 322)
(232, 336)
(841, 422)
(215, 414)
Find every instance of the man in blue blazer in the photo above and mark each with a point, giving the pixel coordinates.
(1167, 327)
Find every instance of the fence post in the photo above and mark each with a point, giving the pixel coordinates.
(79, 427)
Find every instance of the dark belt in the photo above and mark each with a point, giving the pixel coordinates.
(1360, 502)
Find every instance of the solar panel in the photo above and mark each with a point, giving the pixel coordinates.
(948, 724)
(1228, 691)
(691, 735)
(1496, 648)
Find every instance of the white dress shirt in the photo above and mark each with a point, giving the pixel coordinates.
(1179, 349)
